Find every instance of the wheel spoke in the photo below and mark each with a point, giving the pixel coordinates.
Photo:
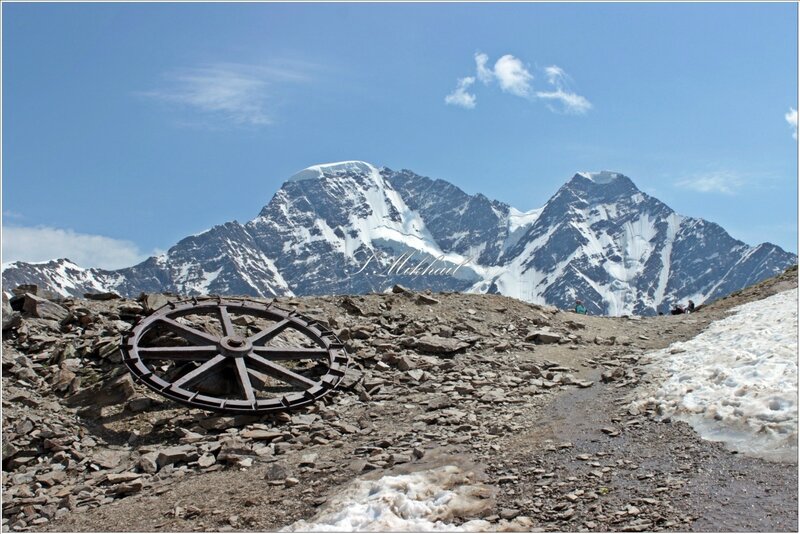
(193, 353)
(192, 334)
(287, 353)
(196, 374)
(260, 378)
(280, 372)
(227, 326)
(268, 333)
(244, 380)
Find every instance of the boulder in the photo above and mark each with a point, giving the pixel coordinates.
(425, 299)
(36, 306)
(173, 455)
(543, 336)
(114, 391)
(153, 301)
(431, 344)
(109, 458)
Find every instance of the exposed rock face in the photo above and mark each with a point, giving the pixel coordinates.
(352, 228)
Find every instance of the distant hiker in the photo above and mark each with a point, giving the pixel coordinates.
(690, 307)
(677, 310)
(580, 308)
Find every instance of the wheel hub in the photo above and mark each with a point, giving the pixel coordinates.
(235, 346)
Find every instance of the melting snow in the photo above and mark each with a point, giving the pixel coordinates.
(424, 501)
(736, 382)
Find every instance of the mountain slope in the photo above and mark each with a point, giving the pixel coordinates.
(351, 227)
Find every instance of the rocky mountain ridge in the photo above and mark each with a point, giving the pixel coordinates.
(351, 227)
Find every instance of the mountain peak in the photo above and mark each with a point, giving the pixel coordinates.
(602, 186)
(602, 177)
(318, 171)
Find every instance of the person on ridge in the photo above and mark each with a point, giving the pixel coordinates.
(580, 308)
(690, 307)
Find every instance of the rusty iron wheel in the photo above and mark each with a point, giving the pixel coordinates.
(223, 355)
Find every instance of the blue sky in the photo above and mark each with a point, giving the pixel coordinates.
(129, 126)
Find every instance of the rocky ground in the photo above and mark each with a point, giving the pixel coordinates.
(531, 398)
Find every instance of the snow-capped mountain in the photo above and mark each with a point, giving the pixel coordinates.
(351, 227)
(621, 251)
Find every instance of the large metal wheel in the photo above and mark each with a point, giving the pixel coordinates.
(234, 356)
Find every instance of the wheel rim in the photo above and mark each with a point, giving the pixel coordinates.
(222, 355)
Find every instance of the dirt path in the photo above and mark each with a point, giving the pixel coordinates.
(651, 476)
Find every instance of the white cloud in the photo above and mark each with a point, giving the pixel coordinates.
(460, 96)
(236, 93)
(485, 75)
(555, 74)
(571, 102)
(725, 182)
(512, 75)
(42, 243)
(514, 78)
(791, 118)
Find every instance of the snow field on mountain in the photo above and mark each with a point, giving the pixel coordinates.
(735, 382)
(423, 501)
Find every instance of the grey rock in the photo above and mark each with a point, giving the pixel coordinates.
(308, 460)
(543, 336)
(276, 471)
(109, 458)
(119, 478)
(261, 435)
(180, 453)
(438, 345)
(36, 306)
(425, 299)
(139, 404)
(153, 301)
(148, 463)
(114, 391)
(206, 460)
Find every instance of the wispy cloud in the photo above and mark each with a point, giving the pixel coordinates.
(485, 75)
(460, 96)
(571, 102)
(725, 182)
(43, 243)
(555, 75)
(236, 93)
(791, 118)
(514, 77)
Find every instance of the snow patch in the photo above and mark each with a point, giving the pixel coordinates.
(318, 171)
(735, 382)
(522, 219)
(424, 501)
(602, 177)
